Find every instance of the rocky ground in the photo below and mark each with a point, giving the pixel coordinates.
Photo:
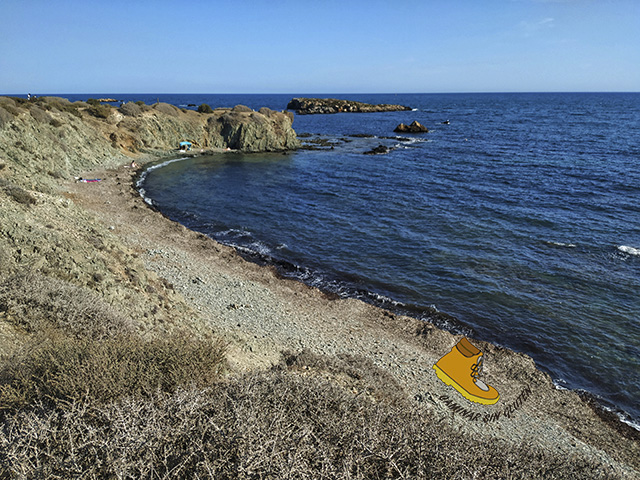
(102, 237)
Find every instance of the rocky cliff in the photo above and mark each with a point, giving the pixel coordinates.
(55, 137)
(305, 106)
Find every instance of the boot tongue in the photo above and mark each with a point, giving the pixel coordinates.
(465, 348)
(481, 385)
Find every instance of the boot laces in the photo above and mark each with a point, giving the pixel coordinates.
(476, 369)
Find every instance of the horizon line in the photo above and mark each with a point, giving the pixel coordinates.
(320, 93)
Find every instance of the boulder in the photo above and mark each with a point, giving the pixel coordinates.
(415, 127)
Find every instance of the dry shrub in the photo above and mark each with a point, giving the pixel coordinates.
(18, 194)
(130, 109)
(40, 115)
(6, 115)
(358, 374)
(35, 302)
(54, 368)
(269, 425)
(167, 109)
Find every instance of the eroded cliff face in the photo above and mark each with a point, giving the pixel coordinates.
(53, 137)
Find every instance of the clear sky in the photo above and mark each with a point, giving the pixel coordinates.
(318, 46)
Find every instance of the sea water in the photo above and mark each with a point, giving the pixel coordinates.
(520, 217)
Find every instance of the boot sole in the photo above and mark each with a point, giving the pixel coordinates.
(452, 383)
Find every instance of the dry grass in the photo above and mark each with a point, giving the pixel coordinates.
(56, 369)
(77, 348)
(34, 302)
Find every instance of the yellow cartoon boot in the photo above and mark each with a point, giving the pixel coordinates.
(460, 369)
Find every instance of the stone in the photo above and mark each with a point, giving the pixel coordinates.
(379, 150)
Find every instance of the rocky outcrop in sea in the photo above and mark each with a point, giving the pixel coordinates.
(306, 106)
(414, 127)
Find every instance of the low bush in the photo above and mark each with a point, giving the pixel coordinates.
(40, 115)
(55, 369)
(205, 108)
(100, 110)
(167, 109)
(6, 115)
(18, 194)
(130, 109)
(241, 109)
(64, 105)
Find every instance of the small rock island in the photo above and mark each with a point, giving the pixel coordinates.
(307, 106)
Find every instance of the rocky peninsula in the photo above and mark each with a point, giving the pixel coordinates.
(307, 106)
(131, 346)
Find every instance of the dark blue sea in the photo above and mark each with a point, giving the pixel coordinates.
(520, 217)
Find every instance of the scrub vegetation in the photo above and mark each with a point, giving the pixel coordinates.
(86, 395)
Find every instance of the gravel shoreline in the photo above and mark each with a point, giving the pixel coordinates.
(261, 315)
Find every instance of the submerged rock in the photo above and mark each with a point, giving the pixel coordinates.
(379, 150)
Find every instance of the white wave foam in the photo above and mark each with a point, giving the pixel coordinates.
(235, 232)
(560, 384)
(143, 177)
(409, 141)
(623, 417)
(561, 244)
(629, 250)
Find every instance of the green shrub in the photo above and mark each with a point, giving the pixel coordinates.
(205, 108)
(93, 102)
(100, 111)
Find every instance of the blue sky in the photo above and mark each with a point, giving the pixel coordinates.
(298, 46)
